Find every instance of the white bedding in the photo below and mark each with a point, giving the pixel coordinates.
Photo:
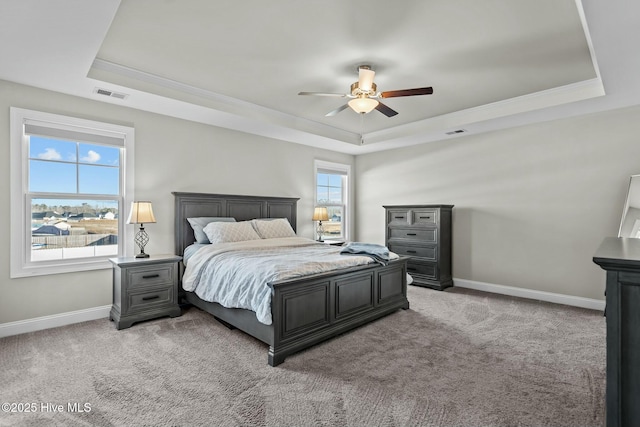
(235, 275)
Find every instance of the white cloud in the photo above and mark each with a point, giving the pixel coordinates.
(91, 157)
(50, 154)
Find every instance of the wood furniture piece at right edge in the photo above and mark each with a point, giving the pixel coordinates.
(620, 257)
(422, 232)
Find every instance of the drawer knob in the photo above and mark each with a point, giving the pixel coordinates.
(399, 217)
(150, 276)
(411, 252)
(150, 298)
(425, 217)
(411, 234)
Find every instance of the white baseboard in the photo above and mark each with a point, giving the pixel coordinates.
(53, 321)
(593, 304)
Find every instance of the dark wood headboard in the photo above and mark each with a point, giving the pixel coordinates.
(242, 208)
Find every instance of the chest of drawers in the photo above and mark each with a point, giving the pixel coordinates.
(422, 232)
(620, 258)
(144, 288)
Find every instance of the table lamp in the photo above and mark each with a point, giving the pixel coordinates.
(320, 214)
(141, 213)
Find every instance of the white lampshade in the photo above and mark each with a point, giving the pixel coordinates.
(320, 214)
(141, 213)
(362, 104)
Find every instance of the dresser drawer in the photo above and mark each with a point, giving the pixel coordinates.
(422, 270)
(150, 298)
(423, 235)
(424, 216)
(426, 252)
(398, 217)
(152, 275)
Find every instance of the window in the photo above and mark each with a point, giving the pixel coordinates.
(69, 189)
(333, 192)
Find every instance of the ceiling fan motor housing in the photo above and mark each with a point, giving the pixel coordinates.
(356, 91)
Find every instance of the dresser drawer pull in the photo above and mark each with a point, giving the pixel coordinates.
(151, 276)
(411, 252)
(399, 217)
(425, 217)
(411, 234)
(411, 269)
(150, 298)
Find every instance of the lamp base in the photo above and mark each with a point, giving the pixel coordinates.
(142, 238)
(320, 231)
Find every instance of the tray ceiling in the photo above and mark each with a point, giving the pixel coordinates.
(241, 64)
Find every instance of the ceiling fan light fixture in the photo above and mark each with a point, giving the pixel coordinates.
(362, 105)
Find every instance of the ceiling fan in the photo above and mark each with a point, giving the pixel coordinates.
(364, 95)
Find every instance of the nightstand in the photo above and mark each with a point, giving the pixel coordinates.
(144, 288)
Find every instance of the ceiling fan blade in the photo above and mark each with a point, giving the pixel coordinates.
(337, 110)
(407, 92)
(389, 112)
(365, 78)
(341, 95)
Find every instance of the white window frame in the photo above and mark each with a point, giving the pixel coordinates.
(20, 263)
(347, 188)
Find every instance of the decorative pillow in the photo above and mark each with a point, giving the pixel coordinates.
(272, 228)
(199, 223)
(225, 232)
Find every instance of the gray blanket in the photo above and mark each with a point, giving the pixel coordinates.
(378, 253)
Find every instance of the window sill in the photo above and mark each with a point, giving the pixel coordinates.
(44, 270)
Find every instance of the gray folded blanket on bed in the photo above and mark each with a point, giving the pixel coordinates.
(379, 253)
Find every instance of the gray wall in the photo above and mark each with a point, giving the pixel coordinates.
(532, 204)
(170, 155)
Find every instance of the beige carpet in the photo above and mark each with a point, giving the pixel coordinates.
(456, 358)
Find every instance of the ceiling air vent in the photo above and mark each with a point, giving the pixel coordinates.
(453, 132)
(112, 94)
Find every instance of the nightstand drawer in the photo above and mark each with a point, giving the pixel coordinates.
(424, 216)
(427, 252)
(146, 300)
(152, 275)
(423, 235)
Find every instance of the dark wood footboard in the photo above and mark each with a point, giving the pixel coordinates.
(310, 310)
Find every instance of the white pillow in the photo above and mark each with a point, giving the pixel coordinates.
(199, 223)
(270, 229)
(225, 232)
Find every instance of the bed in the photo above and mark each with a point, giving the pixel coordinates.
(304, 310)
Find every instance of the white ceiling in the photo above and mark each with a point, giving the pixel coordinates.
(240, 64)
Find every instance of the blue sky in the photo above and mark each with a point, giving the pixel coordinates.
(57, 166)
